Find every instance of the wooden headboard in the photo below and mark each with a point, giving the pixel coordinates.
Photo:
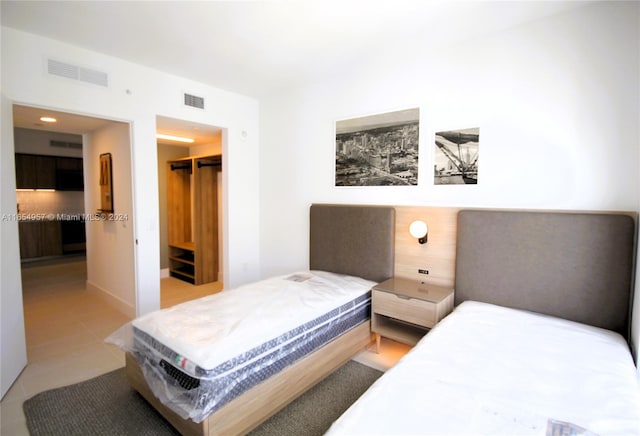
(354, 240)
(577, 266)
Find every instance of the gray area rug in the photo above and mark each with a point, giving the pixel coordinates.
(107, 405)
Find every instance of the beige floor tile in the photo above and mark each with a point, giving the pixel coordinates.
(12, 419)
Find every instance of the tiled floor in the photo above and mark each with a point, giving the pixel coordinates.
(66, 326)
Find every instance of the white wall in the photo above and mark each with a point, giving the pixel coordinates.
(135, 95)
(635, 321)
(110, 242)
(39, 142)
(556, 102)
(13, 346)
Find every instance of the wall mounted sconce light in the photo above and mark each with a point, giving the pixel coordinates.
(419, 230)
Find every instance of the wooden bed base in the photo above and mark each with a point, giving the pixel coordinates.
(255, 406)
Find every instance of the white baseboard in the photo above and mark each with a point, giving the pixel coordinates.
(113, 301)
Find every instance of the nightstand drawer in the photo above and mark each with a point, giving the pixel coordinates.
(411, 310)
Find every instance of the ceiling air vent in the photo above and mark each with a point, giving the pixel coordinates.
(75, 72)
(193, 101)
(64, 144)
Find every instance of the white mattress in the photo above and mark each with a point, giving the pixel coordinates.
(486, 369)
(214, 329)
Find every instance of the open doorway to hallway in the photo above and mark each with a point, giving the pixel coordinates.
(59, 216)
(49, 177)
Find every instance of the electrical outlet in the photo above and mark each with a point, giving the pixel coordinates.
(423, 271)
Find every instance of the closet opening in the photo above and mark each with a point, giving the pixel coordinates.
(190, 201)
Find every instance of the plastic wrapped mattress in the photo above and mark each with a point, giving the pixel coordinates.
(199, 355)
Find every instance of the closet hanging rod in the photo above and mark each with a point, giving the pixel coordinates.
(209, 164)
(180, 167)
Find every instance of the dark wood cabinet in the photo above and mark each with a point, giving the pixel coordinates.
(39, 239)
(25, 171)
(51, 238)
(69, 163)
(49, 172)
(30, 233)
(35, 171)
(46, 167)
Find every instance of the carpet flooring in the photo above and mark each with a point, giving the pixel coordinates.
(108, 406)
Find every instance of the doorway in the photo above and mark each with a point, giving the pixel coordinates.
(188, 143)
(101, 253)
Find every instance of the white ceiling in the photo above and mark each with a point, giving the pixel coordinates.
(253, 47)
(29, 118)
(258, 47)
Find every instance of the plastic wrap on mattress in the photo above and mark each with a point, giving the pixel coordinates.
(197, 397)
(195, 392)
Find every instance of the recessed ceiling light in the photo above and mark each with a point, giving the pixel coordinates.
(174, 138)
(48, 119)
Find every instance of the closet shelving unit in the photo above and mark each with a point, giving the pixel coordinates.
(192, 218)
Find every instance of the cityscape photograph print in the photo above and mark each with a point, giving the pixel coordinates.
(378, 150)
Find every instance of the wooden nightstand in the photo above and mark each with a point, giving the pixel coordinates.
(404, 310)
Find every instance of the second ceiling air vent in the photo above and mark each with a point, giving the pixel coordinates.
(193, 101)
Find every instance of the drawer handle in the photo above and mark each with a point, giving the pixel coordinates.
(404, 297)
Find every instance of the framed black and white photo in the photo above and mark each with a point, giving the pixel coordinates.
(456, 157)
(378, 150)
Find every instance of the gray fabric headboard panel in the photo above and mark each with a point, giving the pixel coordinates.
(354, 240)
(577, 266)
